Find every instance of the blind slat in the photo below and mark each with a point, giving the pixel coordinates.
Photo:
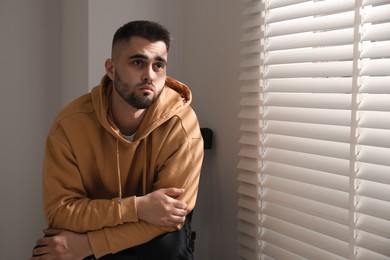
(334, 22)
(307, 221)
(317, 85)
(374, 137)
(316, 193)
(374, 102)
(375, 67)
(252, 35)
(376, 14)
(374, 119)
(248, 164)
(304, 175)
(311, 39)
(374, 190)
(252, 47)
(252, 8)
(250, 138)
(376, 32)
(250, 62)
(248, 190)
(374, 2)
(315, 131)
(373, 243)
(250, 126)
(278, 253)
(304, 250)
(373, 225)
(246, 243)
(334, 53)
(250, 152)
(321, 69)
(320, 241)
(379, 85)
(250, 100)
(308, 115)
(374, 155)
(308, 206)
(248, 229)
(365, 254)
(311, 100)
(249, 113)
(373, 172)
(377, 50)
(310, 146)
(280, 3)
(373, 207)
(308, 9)
(248, 216)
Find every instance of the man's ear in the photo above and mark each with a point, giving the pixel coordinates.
(110, 68)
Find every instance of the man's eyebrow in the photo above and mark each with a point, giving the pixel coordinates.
(161, 59)
(144, 57)
(138, 56)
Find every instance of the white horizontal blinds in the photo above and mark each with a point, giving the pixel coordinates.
(316, 149)
(373, 143)
(308, 79)
(250, 115)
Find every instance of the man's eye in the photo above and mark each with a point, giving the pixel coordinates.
(159, 66)
(137, 62)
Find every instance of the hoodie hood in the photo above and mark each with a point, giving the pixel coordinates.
(174, 98)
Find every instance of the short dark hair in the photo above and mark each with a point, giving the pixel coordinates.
(149, 30)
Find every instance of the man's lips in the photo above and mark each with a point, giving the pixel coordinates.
(146, 88)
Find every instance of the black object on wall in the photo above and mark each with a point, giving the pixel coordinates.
(207, 135)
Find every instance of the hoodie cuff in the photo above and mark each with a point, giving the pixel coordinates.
(99, 243)
(129, 210)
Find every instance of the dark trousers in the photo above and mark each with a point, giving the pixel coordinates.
(176, 245)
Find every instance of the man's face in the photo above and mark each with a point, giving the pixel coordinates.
(139, 71)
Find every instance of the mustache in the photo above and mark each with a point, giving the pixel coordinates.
(145, 84)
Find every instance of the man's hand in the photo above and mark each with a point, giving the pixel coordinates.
(62, 245)
(162, 208)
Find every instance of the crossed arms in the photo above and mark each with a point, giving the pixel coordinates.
(105, 226)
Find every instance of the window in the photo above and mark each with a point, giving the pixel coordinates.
(314, 169)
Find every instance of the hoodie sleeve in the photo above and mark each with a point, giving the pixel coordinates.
(181, 170)
(65, 199)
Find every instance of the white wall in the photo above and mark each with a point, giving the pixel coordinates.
(211, 60)
(73, 50)
(54, 50)
(28, 91)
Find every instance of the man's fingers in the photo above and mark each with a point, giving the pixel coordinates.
(39, 251)
(180, 205)
(180, 212)
(173, 192)
(176, 220)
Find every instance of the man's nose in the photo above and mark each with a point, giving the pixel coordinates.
(148, 74)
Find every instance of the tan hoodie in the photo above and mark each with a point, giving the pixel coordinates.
(91, 174)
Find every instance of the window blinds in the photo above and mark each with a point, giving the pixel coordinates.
(314, 169)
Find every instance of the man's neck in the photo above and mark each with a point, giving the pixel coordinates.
(125, 117)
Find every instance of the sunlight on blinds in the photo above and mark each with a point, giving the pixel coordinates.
(314, 169)
(373, 137)
(250, 114)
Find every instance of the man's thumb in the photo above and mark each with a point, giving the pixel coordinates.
(51, 232)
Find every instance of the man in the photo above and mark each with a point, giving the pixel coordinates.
(122, 163)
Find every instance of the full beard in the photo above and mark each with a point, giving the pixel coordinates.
(137, 101)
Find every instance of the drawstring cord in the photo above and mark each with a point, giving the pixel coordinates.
(118, 172)
(144, 172)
